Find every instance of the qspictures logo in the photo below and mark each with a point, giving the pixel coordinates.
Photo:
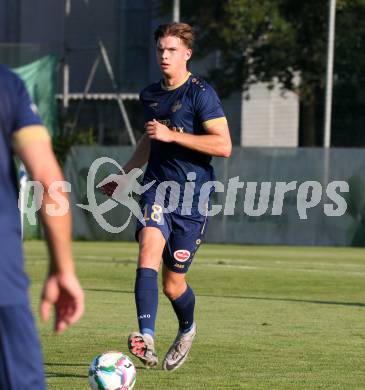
(127, 184)
(257, 198)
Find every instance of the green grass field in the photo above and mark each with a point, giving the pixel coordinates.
(268, 318)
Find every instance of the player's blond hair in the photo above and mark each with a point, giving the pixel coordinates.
(180, 30)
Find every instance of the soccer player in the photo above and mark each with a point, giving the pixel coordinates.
(21, 130)
(185, 127)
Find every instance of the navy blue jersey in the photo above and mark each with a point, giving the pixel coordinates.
(187, 109)
(16, 112)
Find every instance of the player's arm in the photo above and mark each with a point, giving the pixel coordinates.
(138, 160)
(40, 162)
(216, 142)
(140, 155)
(33, 146)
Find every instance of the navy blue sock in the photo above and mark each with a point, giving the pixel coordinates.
(146, 295)
(184, 309)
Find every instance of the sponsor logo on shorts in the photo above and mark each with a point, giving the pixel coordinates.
(181, 255)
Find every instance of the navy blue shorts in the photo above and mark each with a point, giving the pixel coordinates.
(21, 363)
(183, 234)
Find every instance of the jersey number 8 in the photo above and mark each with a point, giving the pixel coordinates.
(156, 214)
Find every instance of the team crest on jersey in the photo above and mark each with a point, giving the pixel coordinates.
(182, 255)
(153, 105)
(177, 105)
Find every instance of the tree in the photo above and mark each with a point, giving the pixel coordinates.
(279, 39)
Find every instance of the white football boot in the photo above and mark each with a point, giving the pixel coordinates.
(143, 347)
(179, 350)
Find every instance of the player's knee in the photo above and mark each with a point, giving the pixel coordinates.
(173, 290)
(170, 291)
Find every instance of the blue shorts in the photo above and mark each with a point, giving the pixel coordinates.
(183, 234)
(21, 363)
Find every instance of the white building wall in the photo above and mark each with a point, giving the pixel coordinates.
(270, 117)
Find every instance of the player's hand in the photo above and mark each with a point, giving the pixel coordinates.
(109, 188)
(66, 295)
(158, 131)
(114, 184)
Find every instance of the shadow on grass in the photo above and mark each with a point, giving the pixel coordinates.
(111, 261)
(138, 367)
(109, 290)
(357, 304)
(66, 364)
(64, 375)
(319, 302)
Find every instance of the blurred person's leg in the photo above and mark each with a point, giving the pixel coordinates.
(21, 362)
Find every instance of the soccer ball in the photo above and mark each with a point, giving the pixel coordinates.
(112, 371)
